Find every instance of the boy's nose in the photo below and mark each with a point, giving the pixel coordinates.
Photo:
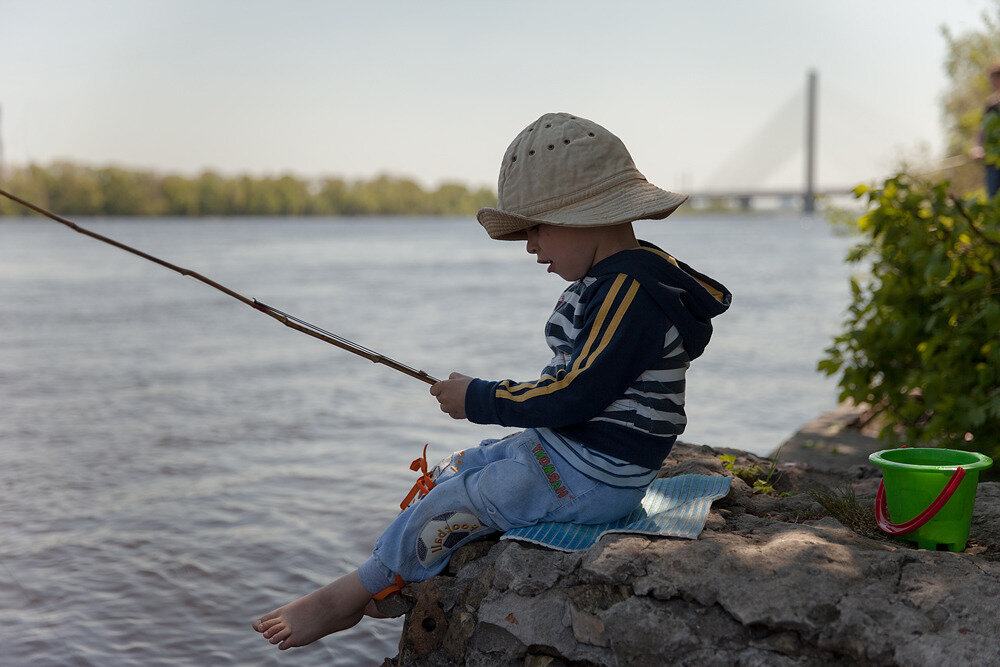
(531, 245)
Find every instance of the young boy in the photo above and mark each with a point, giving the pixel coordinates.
(605, 411)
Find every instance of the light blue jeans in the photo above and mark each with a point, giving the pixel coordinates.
(499, 485)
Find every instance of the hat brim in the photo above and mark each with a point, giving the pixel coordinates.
(636, 200)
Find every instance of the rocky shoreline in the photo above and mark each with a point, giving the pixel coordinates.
(774, 579)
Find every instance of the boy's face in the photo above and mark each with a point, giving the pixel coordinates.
(569, 251)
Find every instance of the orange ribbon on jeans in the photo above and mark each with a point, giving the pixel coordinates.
(424, 483)
(389, 590)
(421, 488)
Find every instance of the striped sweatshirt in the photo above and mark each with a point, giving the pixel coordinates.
(622, 338)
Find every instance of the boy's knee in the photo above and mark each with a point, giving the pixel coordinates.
(443, 532)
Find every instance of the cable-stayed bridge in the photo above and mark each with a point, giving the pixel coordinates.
(791, 130)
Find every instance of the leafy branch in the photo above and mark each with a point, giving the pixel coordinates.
(921, 342)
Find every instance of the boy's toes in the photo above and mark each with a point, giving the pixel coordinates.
(280, 636)
(264, 626)
(259, 623)
(274, 630)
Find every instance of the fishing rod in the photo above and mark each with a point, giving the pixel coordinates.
(952, 162)
(286, 319)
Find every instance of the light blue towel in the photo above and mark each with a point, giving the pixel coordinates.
(673, 507)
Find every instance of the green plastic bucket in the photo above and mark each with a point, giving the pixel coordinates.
(926, 495)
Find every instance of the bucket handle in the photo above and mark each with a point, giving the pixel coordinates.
(882, 515)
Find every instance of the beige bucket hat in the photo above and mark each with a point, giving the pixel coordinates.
(567, 170)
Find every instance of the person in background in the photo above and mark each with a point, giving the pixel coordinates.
(987, 146)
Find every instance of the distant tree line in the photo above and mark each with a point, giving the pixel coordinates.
(72, 189)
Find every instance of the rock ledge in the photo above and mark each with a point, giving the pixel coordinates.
(771, 581)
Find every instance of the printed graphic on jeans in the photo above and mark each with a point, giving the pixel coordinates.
(545, 463)
(451, 463)
(443, 532)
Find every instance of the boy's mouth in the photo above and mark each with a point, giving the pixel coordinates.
(546, 261)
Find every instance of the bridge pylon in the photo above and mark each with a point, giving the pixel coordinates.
(809, 196)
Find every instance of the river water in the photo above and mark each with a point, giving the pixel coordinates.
(174, 463)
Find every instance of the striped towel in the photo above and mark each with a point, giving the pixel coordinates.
(673, 507)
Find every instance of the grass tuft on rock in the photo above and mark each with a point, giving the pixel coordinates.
(844, 506)
(760, 480)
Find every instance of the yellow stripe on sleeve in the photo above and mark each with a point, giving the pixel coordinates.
(594, 331)
(524, 385)
(580, 368)
(599, 322)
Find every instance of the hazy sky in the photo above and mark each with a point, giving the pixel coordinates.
(437, 90)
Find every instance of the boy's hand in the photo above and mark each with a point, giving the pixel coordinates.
(450, 394)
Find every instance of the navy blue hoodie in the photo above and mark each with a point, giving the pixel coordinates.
(622, 338)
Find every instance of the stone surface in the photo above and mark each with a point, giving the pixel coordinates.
(773, 580)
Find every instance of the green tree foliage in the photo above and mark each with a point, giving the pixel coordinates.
(452, 197)
(991, 138)
(70, 186)
(126, 192)
(32, 183)
(181, 195)
(922, 338)
(76, 190)
(211, 190)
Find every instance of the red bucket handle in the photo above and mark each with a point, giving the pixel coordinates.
(882, 515)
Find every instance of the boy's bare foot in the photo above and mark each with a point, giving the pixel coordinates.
(336, 606)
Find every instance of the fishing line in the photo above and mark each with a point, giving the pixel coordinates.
(286, 319)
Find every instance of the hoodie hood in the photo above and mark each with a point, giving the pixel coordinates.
(688, 298)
